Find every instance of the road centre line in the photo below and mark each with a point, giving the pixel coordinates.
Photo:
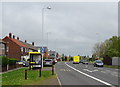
(106, 83)
(87, 70)
(103, 72)
(95, 70)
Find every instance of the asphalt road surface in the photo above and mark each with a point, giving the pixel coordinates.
(82, 74)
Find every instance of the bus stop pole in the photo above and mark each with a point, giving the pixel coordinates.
(52, 69)
(40, 72)
(25, 74)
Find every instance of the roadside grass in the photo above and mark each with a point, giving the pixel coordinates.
(115, 67)
(0, 80)
(17, 77)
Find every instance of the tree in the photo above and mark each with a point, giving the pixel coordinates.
(109, 47)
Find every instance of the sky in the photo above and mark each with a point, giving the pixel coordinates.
(73, 28)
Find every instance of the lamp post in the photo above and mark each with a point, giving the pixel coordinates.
(43, 31)
(47, 42)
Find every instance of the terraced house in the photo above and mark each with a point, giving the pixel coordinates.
(2, 48)
(16, 48)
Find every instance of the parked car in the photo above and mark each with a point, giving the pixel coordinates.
(81, 61)
(55, 60)
(98, 63)
(84, 62)
(25, 63)
(48, 62)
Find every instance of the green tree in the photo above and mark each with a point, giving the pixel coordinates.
(110, 47)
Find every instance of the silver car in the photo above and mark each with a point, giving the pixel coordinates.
(48, 62)
(98, 63)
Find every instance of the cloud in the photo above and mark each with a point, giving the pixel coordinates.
(74, 27)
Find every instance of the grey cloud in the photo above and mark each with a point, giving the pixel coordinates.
(74, 27)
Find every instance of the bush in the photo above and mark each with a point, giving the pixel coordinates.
(12, 61)
(3, 61)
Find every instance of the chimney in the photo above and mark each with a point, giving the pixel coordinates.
(10, 35)
(17, 38)
(13, 36)
(25, 41)
(33, 43)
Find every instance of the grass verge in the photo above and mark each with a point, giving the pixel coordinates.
(115, 67)
(17, 77)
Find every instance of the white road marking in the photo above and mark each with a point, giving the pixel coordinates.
(116, 69)
(103, 72)
(87, 70)
(59, 80)
(106, 83)
(114, 74)
(99, 68)
(95, 70)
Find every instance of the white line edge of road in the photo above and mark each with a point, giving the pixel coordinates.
(106, 83)
(58, 79)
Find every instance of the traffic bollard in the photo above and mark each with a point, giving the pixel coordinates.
(40, 72)
(52, 69)
(26, 74)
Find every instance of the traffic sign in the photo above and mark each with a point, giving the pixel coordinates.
(42, 50)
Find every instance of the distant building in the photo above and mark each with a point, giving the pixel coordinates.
(52, 54)
(3, 48)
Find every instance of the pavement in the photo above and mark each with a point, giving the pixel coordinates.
(11, 70)
(81, 74)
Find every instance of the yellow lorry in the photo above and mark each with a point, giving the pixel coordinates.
(76, 59)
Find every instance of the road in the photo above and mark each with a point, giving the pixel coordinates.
(81, 74)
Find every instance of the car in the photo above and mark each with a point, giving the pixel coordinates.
(81, 61)
(84, 62)
(48, 62)
(25, 63)
(98, 63)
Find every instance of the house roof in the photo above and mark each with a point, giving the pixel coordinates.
(1, 41)
(30, 46)
(17, 42)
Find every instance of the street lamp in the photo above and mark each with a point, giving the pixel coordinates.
(47, 41)
(43, 31)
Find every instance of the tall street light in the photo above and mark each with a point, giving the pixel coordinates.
(47, 42)
(43, 31)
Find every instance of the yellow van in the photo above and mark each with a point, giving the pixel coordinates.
(76, 59)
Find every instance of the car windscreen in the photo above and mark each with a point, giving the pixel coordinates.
(84, 60)
(48, 60)
(98, 61)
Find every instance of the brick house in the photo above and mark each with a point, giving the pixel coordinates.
(2, 48)
(16, 49)
(31, 48)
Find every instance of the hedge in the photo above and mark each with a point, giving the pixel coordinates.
(4, 61)
(12, 61)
